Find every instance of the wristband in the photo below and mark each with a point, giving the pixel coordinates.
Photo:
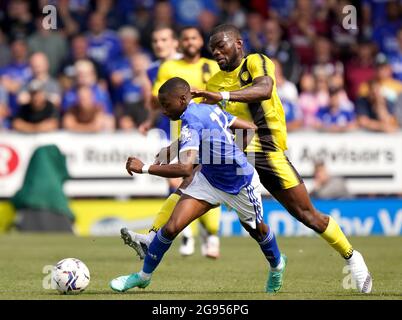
(225, 95)
(145, 168)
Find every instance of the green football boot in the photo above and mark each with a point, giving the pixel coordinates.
(123, 283)
(275, 278)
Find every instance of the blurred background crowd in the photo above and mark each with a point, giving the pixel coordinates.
(92, 73)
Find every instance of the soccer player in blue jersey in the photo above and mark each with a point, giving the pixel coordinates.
(225, 177)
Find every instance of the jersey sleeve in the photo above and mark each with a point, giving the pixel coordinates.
(162, 76)
(190, 134)
(260, 65)
(231, 118)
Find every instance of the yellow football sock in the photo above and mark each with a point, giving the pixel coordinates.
(165, 212)
(337, 239)
(211, 219)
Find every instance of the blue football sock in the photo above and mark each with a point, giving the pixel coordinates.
(270, 249)
(156, 250)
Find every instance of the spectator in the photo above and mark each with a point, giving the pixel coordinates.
(324, 64)
(86, 115)
(39, 115)
(337, 81)
(390, 87)
(86, 76)
(207, 20)
(343, 38)
(281, 50)
(73, 15)
(287, 92)
(104, 45)
(79, 51)
(4, 109)
(136, 94)
(40, 70)
(16, 74)
(120, 69)
(385, 34)
(253, 36)
(332, 118)
(233, 13)
(360, 69)
(302, 31)
(308, 101)
(50, 42)
(327, 186)
(374, 112)
(395, 59)
(186, 12)
(18, 22)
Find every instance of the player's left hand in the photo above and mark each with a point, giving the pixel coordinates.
(134, 164)
(208, 96)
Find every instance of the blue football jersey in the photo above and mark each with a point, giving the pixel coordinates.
(205, 128)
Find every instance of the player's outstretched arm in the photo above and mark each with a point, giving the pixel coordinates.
(260, 90)
(167, 154)
(182, 169)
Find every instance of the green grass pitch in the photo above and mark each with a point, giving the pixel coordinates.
(315, 271)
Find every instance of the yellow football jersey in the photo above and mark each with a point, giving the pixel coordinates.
(196, 74)
(267, 115)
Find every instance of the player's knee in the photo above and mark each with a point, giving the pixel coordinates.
(172, 229)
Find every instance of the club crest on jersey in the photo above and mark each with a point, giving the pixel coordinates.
(245, 76)
(185, 134)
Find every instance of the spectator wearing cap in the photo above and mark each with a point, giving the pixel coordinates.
(395, 59)
(374, 112)
(332, 118)
(327, 186)
(390, 87)
(39, 114)
(86, 115)
(276, 47)
(40, 71)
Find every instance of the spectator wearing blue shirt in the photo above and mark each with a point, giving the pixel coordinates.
(333, 118)
(86, 77)
(395, 59)
(253, 36)
(136, 94)
(120, 69)
(16, 74)
(385, 34)
(186, 12)
(104, 45)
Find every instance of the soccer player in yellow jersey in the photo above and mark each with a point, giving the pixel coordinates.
(196, 70)
(245, 87)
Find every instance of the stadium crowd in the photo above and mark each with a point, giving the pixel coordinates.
(91, 73)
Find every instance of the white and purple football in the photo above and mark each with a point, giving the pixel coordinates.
(70, 276)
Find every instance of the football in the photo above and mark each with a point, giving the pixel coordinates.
(70, 276)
